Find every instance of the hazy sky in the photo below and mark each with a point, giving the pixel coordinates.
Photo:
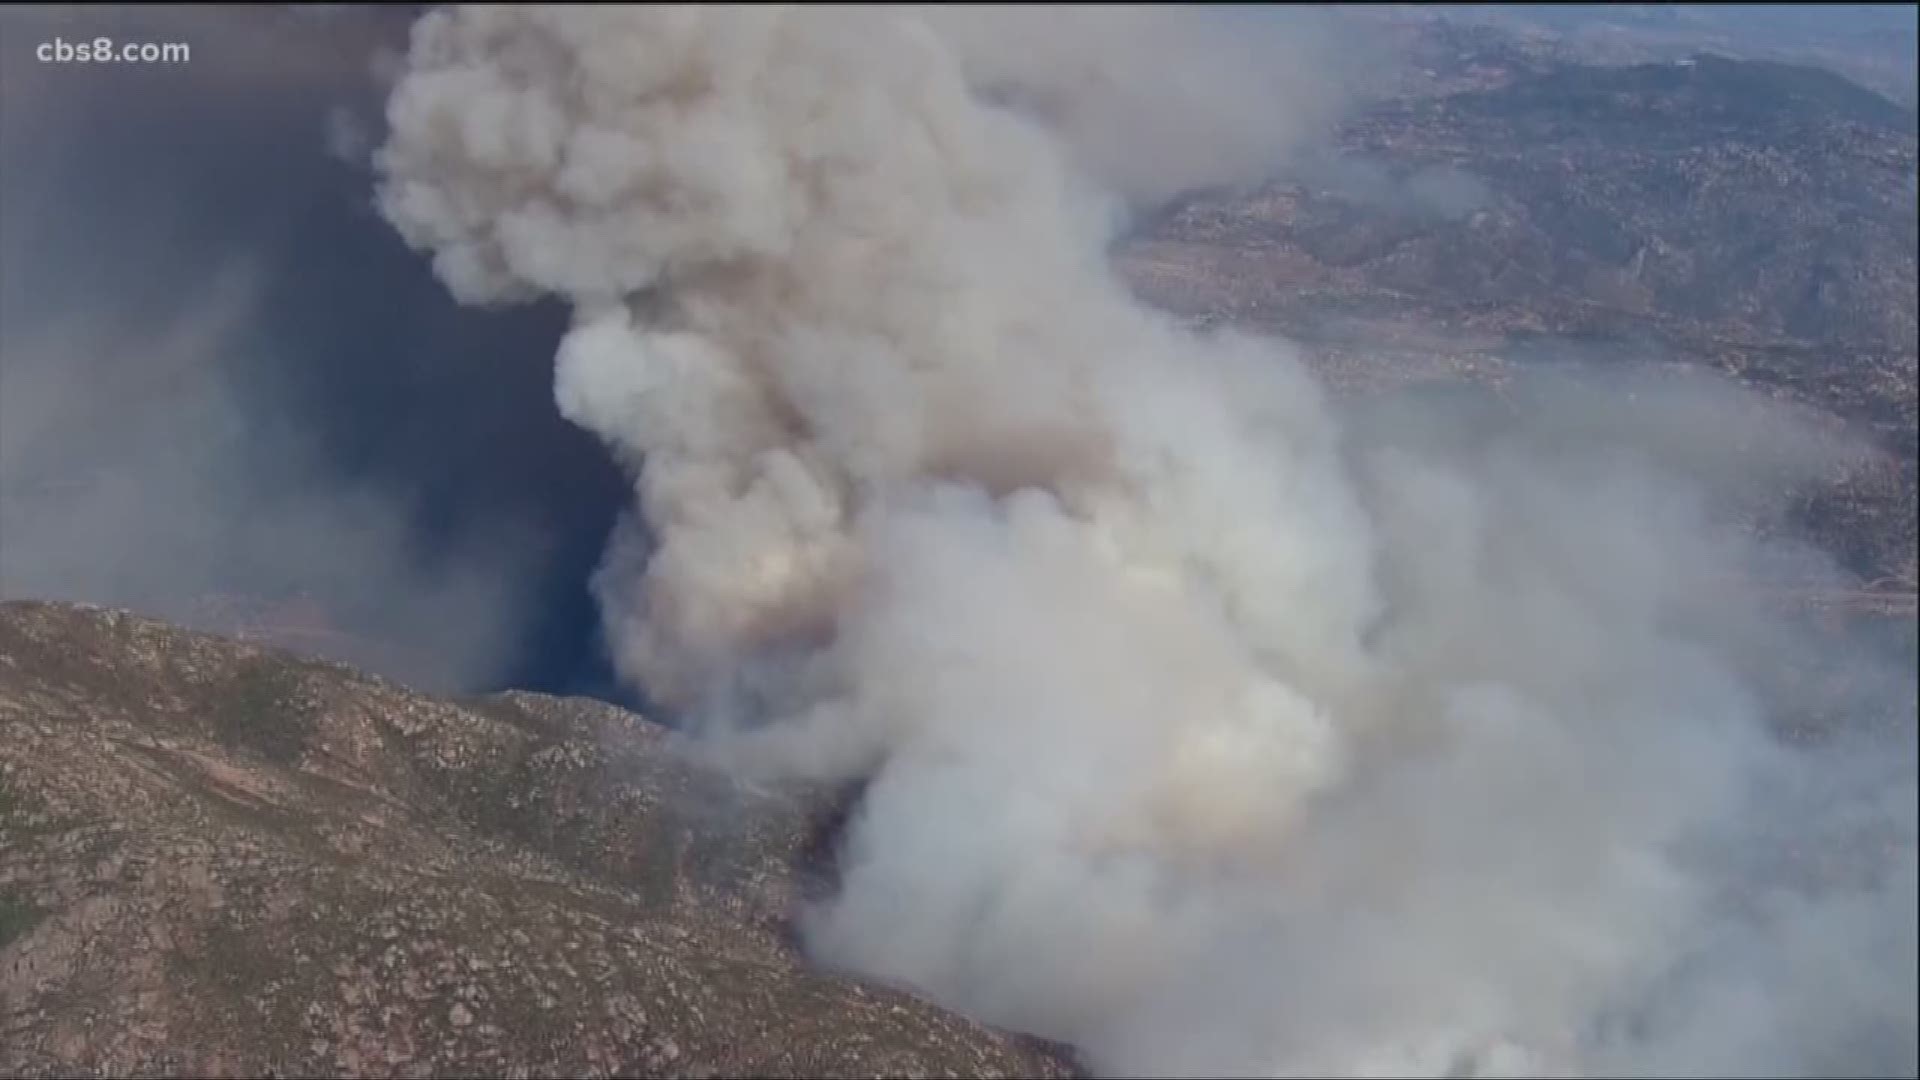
(220, 372)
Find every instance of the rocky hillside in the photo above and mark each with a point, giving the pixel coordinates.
(222, 860)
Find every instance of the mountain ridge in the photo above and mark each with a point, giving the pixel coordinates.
(220, 859)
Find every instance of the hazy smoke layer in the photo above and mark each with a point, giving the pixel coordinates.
(226, 393)
(1155, 100)
(1204, 728)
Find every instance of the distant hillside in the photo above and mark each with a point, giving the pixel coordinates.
(1754, 217)
(1778, 200)
(1745, 95)
(1871, 44)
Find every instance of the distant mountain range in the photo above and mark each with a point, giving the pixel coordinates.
(1871, 44)
(1754, 217)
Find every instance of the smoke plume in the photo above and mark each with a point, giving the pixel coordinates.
(1204, 725)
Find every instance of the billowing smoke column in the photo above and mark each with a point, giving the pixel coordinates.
(1200, 729)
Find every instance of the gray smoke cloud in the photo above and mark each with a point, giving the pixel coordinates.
(1203, 724)
(1156, 100)
(1441, 192)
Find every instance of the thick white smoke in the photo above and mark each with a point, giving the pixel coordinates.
(1202, 728)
